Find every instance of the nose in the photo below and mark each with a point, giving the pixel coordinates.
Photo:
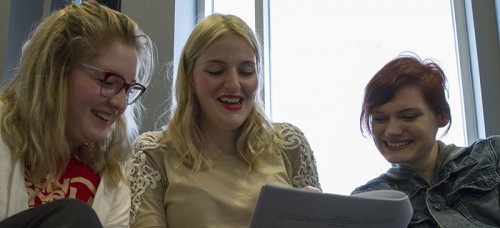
(119, 101)
(232, 81)
(393, 128)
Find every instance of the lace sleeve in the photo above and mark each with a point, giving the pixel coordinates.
(141, 174)
(298, 151)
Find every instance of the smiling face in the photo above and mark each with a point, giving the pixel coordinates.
(89, 114)
(405, 128)
(225, 81)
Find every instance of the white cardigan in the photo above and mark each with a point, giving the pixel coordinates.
(112, 204)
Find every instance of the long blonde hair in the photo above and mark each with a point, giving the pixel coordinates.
(35, 101)
(183, 132)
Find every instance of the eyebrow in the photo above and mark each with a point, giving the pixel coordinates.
(376, 111)
(94, 68)
(245, 62)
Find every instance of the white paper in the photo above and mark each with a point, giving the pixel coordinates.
(281, 207)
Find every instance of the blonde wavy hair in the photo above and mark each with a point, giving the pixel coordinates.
(182, 133)
(35, 101)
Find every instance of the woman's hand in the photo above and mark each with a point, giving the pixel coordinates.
(311, 189)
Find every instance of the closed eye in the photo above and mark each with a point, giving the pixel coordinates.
(379, 119)
(409, 118)
(247, 73)
(112, 81)
(215, 73)
(107, 84)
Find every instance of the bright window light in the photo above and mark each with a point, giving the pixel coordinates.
(323, 53)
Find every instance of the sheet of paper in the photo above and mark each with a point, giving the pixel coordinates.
(281, 207)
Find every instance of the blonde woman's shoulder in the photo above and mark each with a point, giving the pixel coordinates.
(148, 141)
(287, 127)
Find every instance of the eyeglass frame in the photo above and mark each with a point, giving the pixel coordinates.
(106, 74)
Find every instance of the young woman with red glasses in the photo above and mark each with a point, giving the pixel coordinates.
(68, 118)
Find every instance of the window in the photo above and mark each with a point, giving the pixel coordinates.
(321, 60)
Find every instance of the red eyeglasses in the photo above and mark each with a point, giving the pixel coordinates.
(113, 83)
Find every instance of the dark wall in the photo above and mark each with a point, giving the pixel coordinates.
(20, 24)
(113, 4)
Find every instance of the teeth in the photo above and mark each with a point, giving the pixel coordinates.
(398, 144)
(102, 115)
(229, 100)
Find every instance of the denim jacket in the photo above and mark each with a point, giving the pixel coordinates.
(466, 192)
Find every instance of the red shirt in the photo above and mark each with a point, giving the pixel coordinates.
(79, 181)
